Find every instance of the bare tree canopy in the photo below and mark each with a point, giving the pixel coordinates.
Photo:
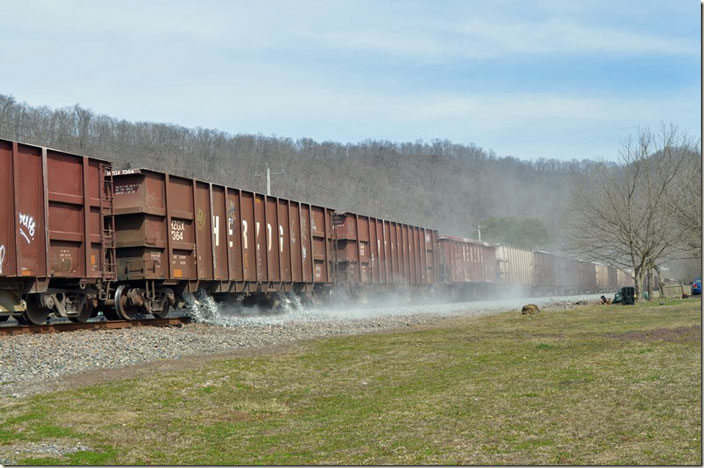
(448, 186)
(643, 211)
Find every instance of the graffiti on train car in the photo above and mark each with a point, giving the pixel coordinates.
(2, 257)
(200, 219)
(27, 222)
(231, 220)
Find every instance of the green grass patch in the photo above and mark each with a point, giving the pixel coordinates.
(545, 346)
(592, 385)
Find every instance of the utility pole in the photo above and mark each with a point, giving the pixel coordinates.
(479, 232)
(268, 178)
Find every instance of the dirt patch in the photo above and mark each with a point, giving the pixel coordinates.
(673, 335)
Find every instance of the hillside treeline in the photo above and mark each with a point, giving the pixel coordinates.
(437, 184)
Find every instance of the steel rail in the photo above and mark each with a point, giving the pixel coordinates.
(107, 325)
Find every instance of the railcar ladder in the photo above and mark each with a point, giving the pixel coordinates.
(337, 220)
(333, 243)
(107, 236)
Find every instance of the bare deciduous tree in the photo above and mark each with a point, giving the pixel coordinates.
(622, 213)
(686, 204)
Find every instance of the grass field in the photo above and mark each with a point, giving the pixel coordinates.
(592, 385)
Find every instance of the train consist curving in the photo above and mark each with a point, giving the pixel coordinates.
(79, 238)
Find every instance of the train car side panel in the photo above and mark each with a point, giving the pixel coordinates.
(30, 220)
(612, 278)
(283, 239)
(602, 276)
(273, 251)
(220, 239)
(8, 263)
(51, 204)
(514, 266)
(377, 252)
(247, 230)
(294, 221)
(204, 229)
(234, 235)
(467, 260)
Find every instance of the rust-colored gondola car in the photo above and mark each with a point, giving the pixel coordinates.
(176, 234)
(56, 236)
(467, 267)
(379, 255)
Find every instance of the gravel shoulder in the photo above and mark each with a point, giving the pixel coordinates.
(34, 364)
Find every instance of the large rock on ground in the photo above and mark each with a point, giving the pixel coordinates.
(530, 309)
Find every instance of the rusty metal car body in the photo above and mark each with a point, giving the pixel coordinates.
(384, 254)
(467, 268)
(56, 236)
(178, 234)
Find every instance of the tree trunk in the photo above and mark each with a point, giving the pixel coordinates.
(660, 285)
(637, 282)
(650, 283)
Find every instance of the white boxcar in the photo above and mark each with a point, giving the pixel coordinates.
(514, 266)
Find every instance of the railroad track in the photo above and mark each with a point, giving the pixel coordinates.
(106, 325)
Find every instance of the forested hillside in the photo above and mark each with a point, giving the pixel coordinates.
(437, 184)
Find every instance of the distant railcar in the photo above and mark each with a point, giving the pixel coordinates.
(547, 274)
(625, 279)
(570, 273)
(587, 277)
(386, 255)
(514, 269)
(467, 268)
(612, 279)
(602, 277)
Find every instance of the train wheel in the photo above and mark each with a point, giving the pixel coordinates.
(85, 314)
(123, 307)
(164, 311)
(34, 315)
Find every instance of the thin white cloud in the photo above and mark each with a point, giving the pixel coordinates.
(568, 35)
(480, 38)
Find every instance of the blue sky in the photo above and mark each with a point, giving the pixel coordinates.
(555, 79)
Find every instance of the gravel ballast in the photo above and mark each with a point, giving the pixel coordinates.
(28, 363)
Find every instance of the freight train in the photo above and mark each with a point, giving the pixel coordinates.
(79, 238)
